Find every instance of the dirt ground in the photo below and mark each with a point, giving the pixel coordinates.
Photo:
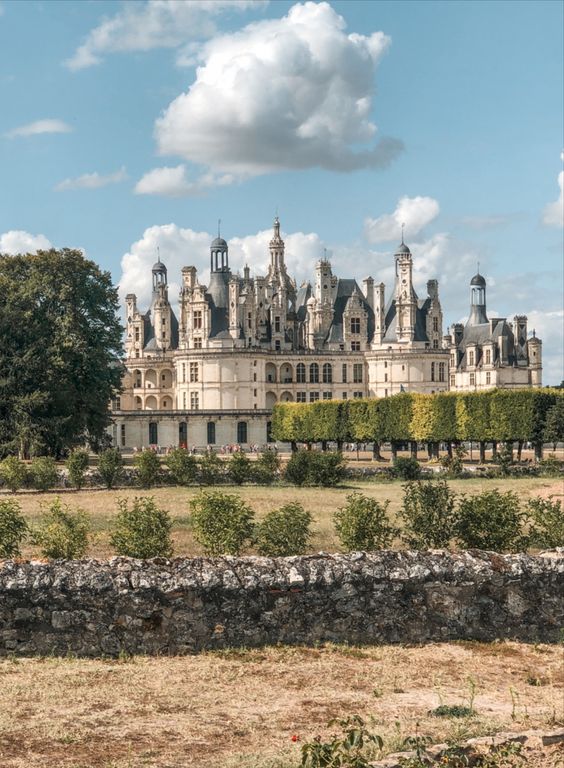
(240, 709)
(101, 506)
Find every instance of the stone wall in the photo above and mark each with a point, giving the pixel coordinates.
(93, 608)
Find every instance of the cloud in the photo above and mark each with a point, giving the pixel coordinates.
(40, 126)
(173, 182)
(281, 94)
(553, 214)
(143, 26)
(414, 212)
(92, 180)
(17, 241)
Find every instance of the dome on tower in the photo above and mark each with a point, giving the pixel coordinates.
(159, 267)
(402, 248)
(219, 242)
(478, 279)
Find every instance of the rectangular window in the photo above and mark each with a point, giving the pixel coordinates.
(452, 360)
(432, 371)
(452, 381)
(488, 378)
(277, 325)
(435, 343)
(183, 373)
(355, 346)
(194, 400)
(344, 396)
(198, 342)
(358, 395)
(470, 358)
(211, 432)
(198, 318)
(472, 379)
(344, 373)
(164, 321)
(122, 433)
(488, 357)
(327, 395)
(355, 324)
(313, 397)
(137, 334)
(184, 400)
(385, 377)
(164, 334)
(249, 320)
(357, 373)
(442, 371)
(435, 324)
(277, 345)
(194, 372)
(300, 397)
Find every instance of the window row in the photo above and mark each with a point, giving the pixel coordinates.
(302, 397)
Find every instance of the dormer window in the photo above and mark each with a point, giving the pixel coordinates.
(198, 318)
(355, 324)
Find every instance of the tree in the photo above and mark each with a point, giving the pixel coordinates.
(147, 464)
(554, 426)
(142, 530)
(363, 524)
(284, 532)
(222, 522)
(77, 464)
(61, 343)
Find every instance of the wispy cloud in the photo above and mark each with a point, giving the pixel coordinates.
(48, 125)
(92, 180)
(173, 182)
(553, 214)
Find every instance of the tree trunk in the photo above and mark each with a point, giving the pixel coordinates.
(449, 449)
(519, 449)
(482, 451)
(394, 447)
(294, 446)
(429, 450)
(340, 446)
(538, 451)
(324, 445)
(376, 455)
(494, 449)
(413, 448)
(509, 448)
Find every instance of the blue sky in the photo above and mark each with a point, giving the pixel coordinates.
(450, 119)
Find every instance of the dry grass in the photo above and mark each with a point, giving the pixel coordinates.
(321, 502)
(239, 709)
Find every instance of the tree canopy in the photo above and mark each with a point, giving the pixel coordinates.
(60, 350)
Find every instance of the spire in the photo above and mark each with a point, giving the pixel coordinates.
(402, 228)
(158, 255)
(276, 227)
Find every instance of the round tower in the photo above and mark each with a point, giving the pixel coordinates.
(478, 314)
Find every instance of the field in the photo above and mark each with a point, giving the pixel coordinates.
(240, 709)
(321, 502)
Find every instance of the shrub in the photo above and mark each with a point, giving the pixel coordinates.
(13, 528)
(284, 531)
(551, 466)
(147, 464)
(547, 522)
(222, 522)
(110, 466)
(428, 514)
(504, 461)
(143, 530)
(454, 464)
(62, 533)
(43, 471)
(363, 524)
(490, 520)
(239, 468)
(210, 469)
(266, 468)
(77, 464)
(407, 468)
(297, 468)
(13, 472)
(312, 468)
(353, 748)
(182, 466)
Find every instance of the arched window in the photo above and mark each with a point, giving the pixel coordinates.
(153, 433)
(211, 432)
(241, 432)
(269, 432)
(327, 373)
(300, 373)
(183, 434)
(314, 373)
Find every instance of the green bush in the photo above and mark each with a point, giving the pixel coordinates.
(239, 468)
(284, 532)
(266, 468)
(546, 518)
(110, 466)
(454, 464)
(43, 471)
(551, 466)
(326, 469)
(13, 528)
(182, 466)
(62, 533)
(428, 514)
(363, 524)
(222, 522)
(147, 464)
(297, 468)
(504, 461)
(407, 468)
(490, 520)
(211, 469)
(77, 464)
(143, 530)
(13, 473)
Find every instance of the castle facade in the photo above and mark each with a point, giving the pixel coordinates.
(212, 375)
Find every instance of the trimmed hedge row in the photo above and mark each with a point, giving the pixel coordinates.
(495, 415)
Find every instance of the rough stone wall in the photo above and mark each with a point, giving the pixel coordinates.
(93, 608)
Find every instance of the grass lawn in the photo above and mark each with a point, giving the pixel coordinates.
(321, 502)
(240, 709)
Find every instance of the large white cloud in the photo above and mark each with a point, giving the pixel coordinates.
(48, 125)
(92, 180)
(18, 241)
(286, 93)
(553, 214)
(142, 26)
(414, 212)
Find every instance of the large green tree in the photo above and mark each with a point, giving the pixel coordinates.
(60, 349)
